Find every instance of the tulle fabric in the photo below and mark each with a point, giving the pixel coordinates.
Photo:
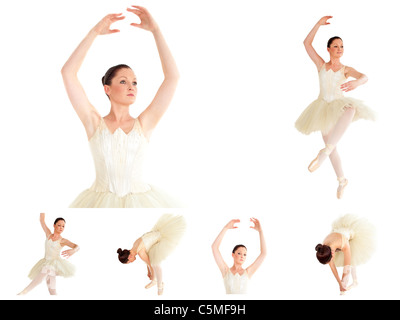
(57, 266)
(52, 263)
(154, 198)
(169, 230)
(362, 239)
(322, 116)
(323, 113)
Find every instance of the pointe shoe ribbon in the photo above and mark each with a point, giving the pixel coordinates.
(316, 163)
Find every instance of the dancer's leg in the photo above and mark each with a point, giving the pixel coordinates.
(35, 282)
(51, 284)
(160, 284)
(335, 159)
(346, 276)
(334, 137)
(341, 126)
(354, 276)
(153, 279)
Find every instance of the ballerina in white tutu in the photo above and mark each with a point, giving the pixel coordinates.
(52, 265)
(332, 112)
(118, 141)
(350, 244)
(236, 278)
(155, 246)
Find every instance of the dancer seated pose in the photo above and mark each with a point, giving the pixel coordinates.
(155, 246)
(52, 264)
(118, 141)
(332, 112)
(236, 277)
(350, 244)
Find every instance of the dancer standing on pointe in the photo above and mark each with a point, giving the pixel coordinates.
(332, 112)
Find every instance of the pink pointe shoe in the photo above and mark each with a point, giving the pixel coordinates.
(151, 284)
(316, 163)
(343, 182)
(161, 289)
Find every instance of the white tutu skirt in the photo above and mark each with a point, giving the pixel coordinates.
(171, 228)
(153, 198)
(59, 267)
(322, 116)
(362, 239)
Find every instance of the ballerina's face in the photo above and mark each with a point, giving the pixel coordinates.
(123, 88)
(336, 49)
(59, 226)
(239, 256)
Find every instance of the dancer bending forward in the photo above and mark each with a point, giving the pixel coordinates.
(350, 244)
(154, 246)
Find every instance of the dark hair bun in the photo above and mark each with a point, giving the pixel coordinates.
(119, 251)
(318, 247)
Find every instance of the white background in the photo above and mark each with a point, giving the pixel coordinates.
(227, 146)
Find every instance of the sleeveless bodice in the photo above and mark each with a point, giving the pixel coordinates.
(346, 234)
(330, 82)
(150, 239)
(52, 249)
(236, 284)
(118, 159)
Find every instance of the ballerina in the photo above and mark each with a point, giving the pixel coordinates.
(52, 264)
(350, 244)
(118, 141)
(236, 278)
(332, 113)
(155, 246)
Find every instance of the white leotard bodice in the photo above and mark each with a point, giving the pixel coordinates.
(236, 283)
(118, 159)
(150, 239)
(52, 249)
(330, 82)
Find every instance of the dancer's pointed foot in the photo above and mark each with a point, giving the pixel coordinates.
(161, 289)
(322, 155)
(343, 182)
(353, 285)
(151, 284)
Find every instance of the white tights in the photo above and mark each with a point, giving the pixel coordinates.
(347, 271)
(50, 276)
(333, 137)
(157, 278)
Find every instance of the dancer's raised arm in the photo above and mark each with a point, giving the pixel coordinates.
(263, 248)
(223, 267)
(43, 224)
(153, 113)
(309, 40)
(85, 110)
